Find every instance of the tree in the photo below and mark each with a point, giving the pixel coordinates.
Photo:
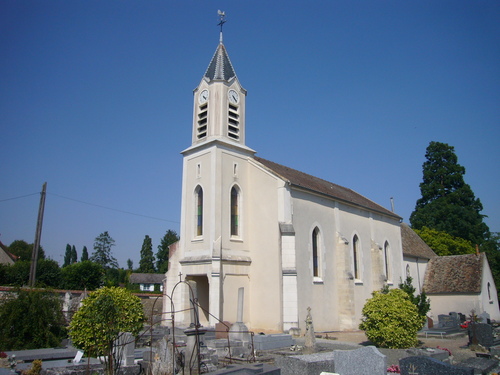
(445, 244)
(391, 320)
(105, 314)
(421, 301)
(48, 273)
(448, 203)
(74, 255)
(67, 255)
(31, 319)
(24, 250)
(163, 250)
(102, 251)
(147, 262)
(85, 254)
(130, 264)
(83, 275)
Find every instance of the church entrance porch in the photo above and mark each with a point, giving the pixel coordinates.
(200, 287)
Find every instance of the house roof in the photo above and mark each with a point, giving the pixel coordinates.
(146, 278)
(454, 274)
(220, 67)
(413, 245)
(9, 254)
(317, 185)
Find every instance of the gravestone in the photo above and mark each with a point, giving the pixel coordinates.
(363, 361)
(239, 330)
(447, 321)
(430, 366)
(482, 334)
(480, 365)
(484, 317)
(310, 337)
(310, 364)
(462, 317)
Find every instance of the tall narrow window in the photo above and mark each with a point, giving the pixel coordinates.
(355, 253)
(199, 211)
(489, 291)
(315, 245)
(235, 230)
(387, 258)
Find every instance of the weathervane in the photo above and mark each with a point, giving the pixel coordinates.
(222, 21)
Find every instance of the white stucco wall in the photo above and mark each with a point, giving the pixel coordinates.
(417, 268)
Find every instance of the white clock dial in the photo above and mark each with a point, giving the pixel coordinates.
(203, 97)
(233, 97)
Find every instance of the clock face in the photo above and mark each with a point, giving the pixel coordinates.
(233, 96)
(203, 97)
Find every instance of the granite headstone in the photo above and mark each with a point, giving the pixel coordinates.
(430, 366)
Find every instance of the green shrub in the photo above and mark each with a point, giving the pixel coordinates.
(391, 320)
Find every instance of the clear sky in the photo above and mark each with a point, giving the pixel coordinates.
(96, 100)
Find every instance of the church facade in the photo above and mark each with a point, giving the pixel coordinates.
(289, 239)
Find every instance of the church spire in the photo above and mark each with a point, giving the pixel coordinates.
(220, 67)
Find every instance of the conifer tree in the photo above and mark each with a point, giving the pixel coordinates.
(147, 262)
(67, 255)
(74, 255)
(85, 254)
(162, 255)
(102, 251)
(448, 203)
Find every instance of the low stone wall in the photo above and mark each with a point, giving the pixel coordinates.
(92, 369)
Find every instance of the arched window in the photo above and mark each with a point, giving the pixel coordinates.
(387, 259)
(199, 211)
(315, 251)
(355, 254)
(235, 215)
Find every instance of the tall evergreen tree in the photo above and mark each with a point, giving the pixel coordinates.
(67, 255)
(74, 255)
(162, 255)
(85, 254)
(102, 251)
(448, 203)
(147, 262)
(130, 264)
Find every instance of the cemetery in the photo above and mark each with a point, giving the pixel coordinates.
(445, 348)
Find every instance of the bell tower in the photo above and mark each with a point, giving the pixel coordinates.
(219, 102)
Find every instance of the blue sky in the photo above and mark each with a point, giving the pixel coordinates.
(96, 100)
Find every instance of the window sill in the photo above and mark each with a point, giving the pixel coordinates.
(197, 239)
(358, 282)
(236, 239)
(317, 280)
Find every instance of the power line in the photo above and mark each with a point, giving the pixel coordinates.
(112, 209)
(22, 196)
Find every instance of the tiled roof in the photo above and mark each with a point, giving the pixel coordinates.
(454, 274)
(315, 184)
(146, 278)
(413, 245)
(9, 254)
(220, 67)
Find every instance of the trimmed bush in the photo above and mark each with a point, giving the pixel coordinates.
(391, 320)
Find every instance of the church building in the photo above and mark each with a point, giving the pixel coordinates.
(289, 239)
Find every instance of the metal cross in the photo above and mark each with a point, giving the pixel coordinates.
(222, 19)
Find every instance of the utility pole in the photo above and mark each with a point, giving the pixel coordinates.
(38, 235)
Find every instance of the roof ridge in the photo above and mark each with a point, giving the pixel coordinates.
(319, 185)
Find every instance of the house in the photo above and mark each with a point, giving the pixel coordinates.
(5, 256)
(289, 239)
(148, 282)
(416, 255)
(461, 283)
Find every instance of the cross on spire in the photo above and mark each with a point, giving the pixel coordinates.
(222, 21)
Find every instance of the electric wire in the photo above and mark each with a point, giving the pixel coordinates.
(22, 196)
(113, 209)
